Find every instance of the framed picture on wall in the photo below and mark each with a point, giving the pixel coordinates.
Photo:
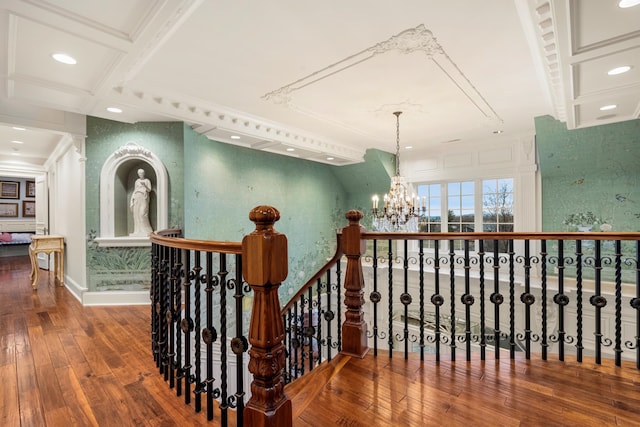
(8, 209)
(9, 190)
(28, 208)
(31, 189)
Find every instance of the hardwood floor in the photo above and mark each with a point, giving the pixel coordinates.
(62, 364)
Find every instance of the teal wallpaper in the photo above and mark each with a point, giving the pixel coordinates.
(224, 182)
(128, 269)
(363, 180)
(590, 177)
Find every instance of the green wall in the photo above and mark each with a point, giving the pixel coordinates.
(127, 269)
(212, 188)
(596, 169)
(224, 182)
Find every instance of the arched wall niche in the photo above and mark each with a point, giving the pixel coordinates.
(117, 179)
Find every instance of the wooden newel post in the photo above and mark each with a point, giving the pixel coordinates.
(264, 267)
(354, 328)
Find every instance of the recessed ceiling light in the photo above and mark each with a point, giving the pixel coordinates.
(18, 128)
(329, 158)
(235, 137)
(628, 3)
(64, 58)
(114, 110)
(408, 147)
(291, 149)
(15, 153)
(619, 70)
(15, 141)
(608, 107)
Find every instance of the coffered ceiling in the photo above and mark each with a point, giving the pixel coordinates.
(320, 80)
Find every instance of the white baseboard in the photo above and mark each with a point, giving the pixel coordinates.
(116, 298)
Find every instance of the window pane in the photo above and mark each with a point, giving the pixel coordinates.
(489, 186)
(467, 202)
(434, 190)
(468, 187)
(506, 227)
(489, 227)
(453, 189)
(454, 203)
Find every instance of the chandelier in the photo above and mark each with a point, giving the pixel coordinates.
(398, 212)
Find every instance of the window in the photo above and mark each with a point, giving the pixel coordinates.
(468, 206)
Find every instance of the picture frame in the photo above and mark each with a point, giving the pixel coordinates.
(9, 190)
(31, 189)
(28, 208)
(8, 210)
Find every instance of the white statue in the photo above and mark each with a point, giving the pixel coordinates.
(140, 206)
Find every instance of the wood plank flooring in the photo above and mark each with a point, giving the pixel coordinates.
(65, 365)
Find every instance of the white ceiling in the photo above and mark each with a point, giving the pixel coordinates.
(322, 78)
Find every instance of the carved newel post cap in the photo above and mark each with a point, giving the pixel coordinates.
(264, 216)
(354, 216)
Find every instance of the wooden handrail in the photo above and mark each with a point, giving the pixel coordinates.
(323, 270)
(195, 244)
(503, 235)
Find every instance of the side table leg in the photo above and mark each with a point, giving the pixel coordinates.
(34, 268)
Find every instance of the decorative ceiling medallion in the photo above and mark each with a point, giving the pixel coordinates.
(418, 40)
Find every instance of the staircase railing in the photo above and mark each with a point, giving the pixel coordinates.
(566, 294)
(199, 289)
(313, 319)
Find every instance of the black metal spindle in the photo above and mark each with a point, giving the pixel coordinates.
(483, 336)
(558, 300)
(376, 300)
(405, 299)
(512, 303)
(390, 303)
(598, 291)
(197, 327)
(421, 289)
(527, 299)
(436, 299)
(209, 334)
(579, 346)
(637, 302)
(175, 325)
(543, 278)
(241, 343)
(467, 300)
(618, 303)
(174, 287)
(329, 314)
(496, 299)
(452, 299)
(224, 384)
(187, 322)
(318, 331)
(308, 329)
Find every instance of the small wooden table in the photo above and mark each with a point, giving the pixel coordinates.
(47, 244)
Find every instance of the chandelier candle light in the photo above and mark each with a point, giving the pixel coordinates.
(399, 213)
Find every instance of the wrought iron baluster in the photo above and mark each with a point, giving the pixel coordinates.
(527, 298)
(467, 300)
(209, 334)
(543, 277)
(421, 290)
(177, 322)
(512, 303)
(318, 357)
(241, 344)
(174, 287)
(196, 379)
(187, 322)
(328, 316)
(635, 303)
(558, 300)
(497, 299)
(405, 299)
(452, 299)
(618, 303)
(375, 297)
(483, 335)
(390, 303)
(579, 346)
(308, 329)
(598, 291)
(224, 345)
(436, 298)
